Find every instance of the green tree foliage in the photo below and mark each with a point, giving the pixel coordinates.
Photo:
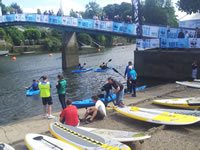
(72, 13)
(84, 38)
(16, 35)
(51, 44)
(189, 6)
(122, 10)
(92, 9)
(2, 33)
(56, 33)
(16, 8)
(159, 12)
(32, 34)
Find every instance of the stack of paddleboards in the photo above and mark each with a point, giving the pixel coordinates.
(83, 139)
(42, 142)
(157, 116)
(120, 136)
(189, 84)
(4, 146)
(190, 102)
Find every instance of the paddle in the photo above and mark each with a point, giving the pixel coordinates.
(108, 61)
(39, 138)
(115, 70)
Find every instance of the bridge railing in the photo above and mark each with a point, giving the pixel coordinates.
(90, 24)
(168, 43)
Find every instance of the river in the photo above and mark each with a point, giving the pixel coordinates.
(16, 75)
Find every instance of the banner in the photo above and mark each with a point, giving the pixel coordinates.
(124, 28)
(42, 18)
(190, 24)
(10, 18)
(142, 44)
(103, 25)
(194, 43)
(150, 31)
(70, 21)
(19, 17)
(174, 43)
(30, 17)
(55, 19)
(85, 23)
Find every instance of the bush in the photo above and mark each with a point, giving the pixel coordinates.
(32, 34)
(16, 35)
(51, 44)
(84, 38)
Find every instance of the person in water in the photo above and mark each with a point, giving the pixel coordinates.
(61, 89)
(35, 85)
(97, 112)
(80, 67)
(103, 66)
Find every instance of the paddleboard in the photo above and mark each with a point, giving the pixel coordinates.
(156, 116)
(42, 142)
(83, 139)
(120, 136)
(197, 80)
(189, 84)
(182, 111)
(4, 146)
(190, 102)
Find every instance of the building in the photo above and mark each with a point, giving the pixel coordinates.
(190, 21)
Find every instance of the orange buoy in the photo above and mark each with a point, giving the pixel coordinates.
(50, 54)
(13, 58)
(123, 47)
(99, 50)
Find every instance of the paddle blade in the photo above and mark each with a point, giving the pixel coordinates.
(109, 60)
(115, 70)
(84, 64)
(38, 138)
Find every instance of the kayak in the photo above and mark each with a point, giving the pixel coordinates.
(82, 70)
(31, 92)
(103, 70)
(88, 102)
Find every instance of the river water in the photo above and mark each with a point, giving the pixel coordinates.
(16, 75)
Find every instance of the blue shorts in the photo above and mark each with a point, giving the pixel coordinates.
(47, 100)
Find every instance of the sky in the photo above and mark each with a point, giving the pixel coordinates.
(31, 6)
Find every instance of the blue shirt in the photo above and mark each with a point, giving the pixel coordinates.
(127, 72)
(133, 73)
(35, 86)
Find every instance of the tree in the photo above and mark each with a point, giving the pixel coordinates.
(2, 33)
(72, 13)
(84, 38)
(16, 35)
(92, 9)
(16, 8)
(159, 12)
(189, 6)
(32, 34)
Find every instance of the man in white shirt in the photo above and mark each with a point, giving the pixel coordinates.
(97, 112)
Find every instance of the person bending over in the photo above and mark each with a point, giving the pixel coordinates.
(103, 66)
(69, 115)
(35, 85)
(97, 112)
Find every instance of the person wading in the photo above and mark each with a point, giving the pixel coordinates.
(61, 89)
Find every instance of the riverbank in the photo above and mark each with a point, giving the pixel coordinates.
(163, 137)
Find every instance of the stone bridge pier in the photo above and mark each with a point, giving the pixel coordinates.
(70, 52)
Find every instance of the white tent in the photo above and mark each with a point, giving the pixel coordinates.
(190, 21)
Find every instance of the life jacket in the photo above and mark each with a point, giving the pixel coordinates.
(44, 89)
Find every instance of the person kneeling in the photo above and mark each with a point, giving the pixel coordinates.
(97, 112)
(69, 115)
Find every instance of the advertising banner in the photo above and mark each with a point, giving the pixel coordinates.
(55, 19)
(143, 44)
(10, 18)
(194, 43)
(30, 17)
(85, 23)
(19, 17)
(42, 18)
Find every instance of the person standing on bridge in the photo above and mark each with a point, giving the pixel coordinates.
(61, 89)
(45, 94)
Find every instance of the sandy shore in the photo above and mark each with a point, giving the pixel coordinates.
(163, 137)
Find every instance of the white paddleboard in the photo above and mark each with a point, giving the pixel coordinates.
(42, 142)
(182, 111)
(120, 136)
(84, 140)
(156, 116)
(189, 84)
(4, 146)
(190, 102)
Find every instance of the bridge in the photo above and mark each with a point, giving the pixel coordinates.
(71, 25)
